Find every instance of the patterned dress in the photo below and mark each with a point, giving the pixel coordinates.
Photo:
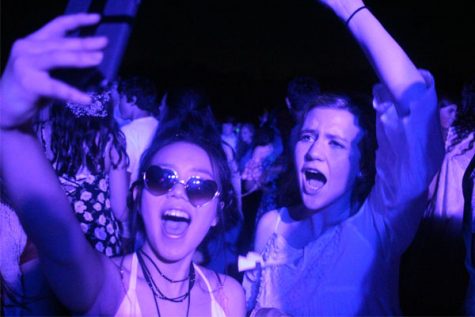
(89, 196)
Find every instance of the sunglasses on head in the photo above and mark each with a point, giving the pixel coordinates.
(160, 181)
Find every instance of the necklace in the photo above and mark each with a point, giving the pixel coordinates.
(156, 291)
(160, 272)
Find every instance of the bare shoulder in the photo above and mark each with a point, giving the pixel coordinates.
(227, 291)
(120, 269)
(269, 218)
(232, 297)
(265, 228)
(231, 287)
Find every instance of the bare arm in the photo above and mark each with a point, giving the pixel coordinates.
(119, 187)
(44, 210)
(391, 64)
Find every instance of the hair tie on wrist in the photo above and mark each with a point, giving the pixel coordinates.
(353, 14)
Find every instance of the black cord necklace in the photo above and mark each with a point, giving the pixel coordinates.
(160, 272)
(156, 291)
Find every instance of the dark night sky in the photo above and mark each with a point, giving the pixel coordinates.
(244, 52)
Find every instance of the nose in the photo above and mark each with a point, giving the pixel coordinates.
(315, 151)
(178, 191)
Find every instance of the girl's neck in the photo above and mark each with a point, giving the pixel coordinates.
(330, 216)
(170, 277)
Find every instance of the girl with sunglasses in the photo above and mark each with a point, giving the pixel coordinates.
(183, 192)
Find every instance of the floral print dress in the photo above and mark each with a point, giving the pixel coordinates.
(89, 196)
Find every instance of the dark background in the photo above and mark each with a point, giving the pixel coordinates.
(244, 52)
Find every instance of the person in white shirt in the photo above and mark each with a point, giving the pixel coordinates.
(138, 103)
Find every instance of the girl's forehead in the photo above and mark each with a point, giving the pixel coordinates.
(184, 157)
(330, 116)
(333, 121)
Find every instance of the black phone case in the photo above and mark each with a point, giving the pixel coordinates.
(116, 24)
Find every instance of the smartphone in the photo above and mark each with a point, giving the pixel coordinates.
(117, 19)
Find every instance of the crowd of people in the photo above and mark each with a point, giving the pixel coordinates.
(125, 202)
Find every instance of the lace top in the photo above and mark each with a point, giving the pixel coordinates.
(12, 243)
(289, 270)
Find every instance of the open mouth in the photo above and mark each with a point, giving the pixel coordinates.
(175, 222)
(315, 179)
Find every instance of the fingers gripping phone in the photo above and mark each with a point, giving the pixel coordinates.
(117, 18)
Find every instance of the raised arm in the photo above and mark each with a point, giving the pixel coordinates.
(409, 134)
(44, 210)
(391, 64)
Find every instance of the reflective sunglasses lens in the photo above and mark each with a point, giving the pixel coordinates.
(159, 180)
(200, 191)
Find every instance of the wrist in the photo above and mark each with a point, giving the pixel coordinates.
(344, 9)
(354, 13)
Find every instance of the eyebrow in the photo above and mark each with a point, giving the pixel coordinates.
(203, 171)
(194, 170)
(334, 136)
(327, 135)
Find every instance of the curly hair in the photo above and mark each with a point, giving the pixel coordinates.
(78, 142)
(143, 90)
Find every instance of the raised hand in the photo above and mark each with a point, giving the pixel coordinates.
(26, 78)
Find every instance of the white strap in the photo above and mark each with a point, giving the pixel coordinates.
(133, 272)
(208, 285)
(276, 226)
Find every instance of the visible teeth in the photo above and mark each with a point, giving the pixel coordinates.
(175, 223)
(176, 215)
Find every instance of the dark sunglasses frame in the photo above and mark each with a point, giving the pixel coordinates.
(173, 180)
